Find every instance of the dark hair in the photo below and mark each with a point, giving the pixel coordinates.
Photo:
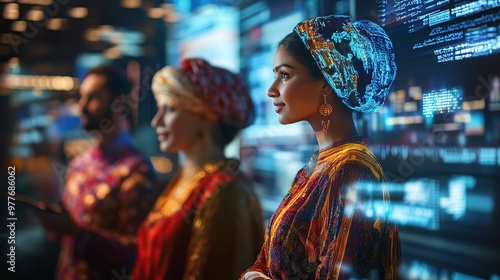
(116, 82)
(296, 48)
(118, 85)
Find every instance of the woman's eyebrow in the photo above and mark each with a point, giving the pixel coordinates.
(282, 65)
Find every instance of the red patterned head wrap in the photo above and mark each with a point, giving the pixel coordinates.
(200, 87)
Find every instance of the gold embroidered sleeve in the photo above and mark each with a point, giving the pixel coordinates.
(227, 234)
(390, 259)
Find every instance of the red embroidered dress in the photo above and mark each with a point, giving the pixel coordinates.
(215, 233)
(109, 191)
(321, 230)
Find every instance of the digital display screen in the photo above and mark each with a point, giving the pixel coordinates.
(434, 204)
(438, 137)
(419, 269)
(446, 96)
(445, 29)
(441, 101)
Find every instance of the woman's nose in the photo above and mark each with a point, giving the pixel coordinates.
(272, 91)
(156, 121)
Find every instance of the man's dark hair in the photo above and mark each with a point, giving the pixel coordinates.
(116, 82)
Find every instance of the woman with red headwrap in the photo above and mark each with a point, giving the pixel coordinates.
(207, 223)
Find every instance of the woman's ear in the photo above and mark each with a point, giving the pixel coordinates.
(209, 117)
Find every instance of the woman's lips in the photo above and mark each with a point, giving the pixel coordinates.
(278, 106)
(162, 136)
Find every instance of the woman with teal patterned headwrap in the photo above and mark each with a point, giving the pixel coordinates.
(333, 222)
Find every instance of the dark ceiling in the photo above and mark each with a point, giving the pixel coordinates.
(44, 51)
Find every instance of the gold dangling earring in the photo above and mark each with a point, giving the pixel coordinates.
(325, 110)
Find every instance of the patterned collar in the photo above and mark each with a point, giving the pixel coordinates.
(328, 150)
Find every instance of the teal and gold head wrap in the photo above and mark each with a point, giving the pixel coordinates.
(356, 58)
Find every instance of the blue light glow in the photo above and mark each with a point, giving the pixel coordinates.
(441, 101)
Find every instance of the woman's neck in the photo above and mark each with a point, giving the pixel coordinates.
(341, 128)
(199, 156)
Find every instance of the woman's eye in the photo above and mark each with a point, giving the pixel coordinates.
(284, 75)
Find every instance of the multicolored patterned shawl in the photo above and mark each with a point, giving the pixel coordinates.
(323, 229)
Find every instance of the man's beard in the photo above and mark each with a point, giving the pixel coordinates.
(93, 121)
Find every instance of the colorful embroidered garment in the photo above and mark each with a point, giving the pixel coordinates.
(109, 191)
(321, 230)
(210, 230)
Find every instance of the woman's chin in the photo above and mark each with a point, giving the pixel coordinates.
(166, 148)
(286, 120)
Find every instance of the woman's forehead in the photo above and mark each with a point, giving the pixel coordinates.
(283, 59)
(281, 56)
